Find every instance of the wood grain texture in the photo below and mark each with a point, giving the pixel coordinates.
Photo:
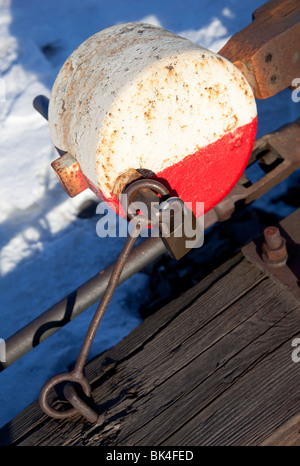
(107, 361)
(213, 367)
(287, 435)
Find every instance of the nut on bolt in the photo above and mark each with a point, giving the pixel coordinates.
(274, 252)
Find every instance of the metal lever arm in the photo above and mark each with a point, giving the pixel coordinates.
(76, 376)
(267, 51)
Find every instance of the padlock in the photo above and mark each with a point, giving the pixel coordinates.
(147, 203)
(180, 230)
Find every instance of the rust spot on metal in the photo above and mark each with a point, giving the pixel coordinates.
(124, 179)
(69, 174)
(68, 67)
(232, 124)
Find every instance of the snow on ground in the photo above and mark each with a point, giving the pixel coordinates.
(46, 250)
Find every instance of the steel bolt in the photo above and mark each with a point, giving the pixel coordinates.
(274, 251)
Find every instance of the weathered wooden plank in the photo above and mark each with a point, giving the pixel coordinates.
(288, 435)
(153, 325)
(191, 379)
(262, 400)
(213, 372)
(152, 402)
(192, 360)
(225, 293)
(31, 417)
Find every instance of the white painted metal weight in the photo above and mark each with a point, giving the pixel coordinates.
(137, 97)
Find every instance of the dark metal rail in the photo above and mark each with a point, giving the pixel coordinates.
(77, 301)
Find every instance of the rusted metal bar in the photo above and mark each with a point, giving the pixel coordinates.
(267, 51)
(69, 174)
(78, 301)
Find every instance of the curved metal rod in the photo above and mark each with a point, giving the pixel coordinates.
(133, 189)
(60, 378)
(76, 375)
(78, 404)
